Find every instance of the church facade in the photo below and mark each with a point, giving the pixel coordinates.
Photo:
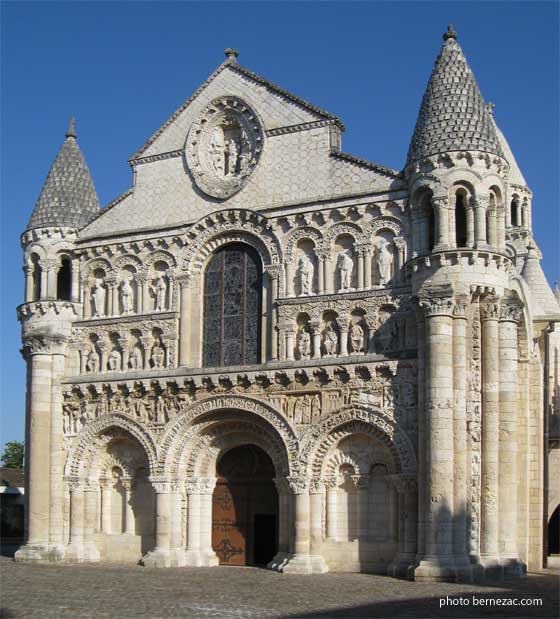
(270, 352)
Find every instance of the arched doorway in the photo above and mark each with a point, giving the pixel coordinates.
(554, 533)
(245, 508)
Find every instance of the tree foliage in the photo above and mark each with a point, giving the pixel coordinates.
(12, 458)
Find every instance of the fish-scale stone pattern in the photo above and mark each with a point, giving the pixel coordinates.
(68, 197)
(453, 115)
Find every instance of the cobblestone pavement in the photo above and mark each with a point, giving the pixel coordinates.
(114, 591)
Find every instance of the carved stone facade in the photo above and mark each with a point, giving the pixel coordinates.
(387, 348)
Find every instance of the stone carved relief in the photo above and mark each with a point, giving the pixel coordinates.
(98, 295)
(357, 338)
(345, 266)
(384, 259)
(127, 297)
(306, 271)
(224, 146)
(330, 339)
(304, 344)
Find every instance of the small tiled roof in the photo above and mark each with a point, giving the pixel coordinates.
(11, 478)
(68, 197)
(453, 115)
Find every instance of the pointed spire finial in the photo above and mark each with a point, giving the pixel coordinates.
(557, 291)
(231, 54)
(71, 133)
(450, 34)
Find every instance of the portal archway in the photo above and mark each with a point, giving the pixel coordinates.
(245, 507)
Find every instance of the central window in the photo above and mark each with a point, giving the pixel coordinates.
(232, 307)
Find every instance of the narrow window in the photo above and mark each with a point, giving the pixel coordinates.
(460, 220)
(514, 212)
(64, 281)
(232, 307)
(431, 226)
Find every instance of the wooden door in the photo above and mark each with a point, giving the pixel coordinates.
(229, 523)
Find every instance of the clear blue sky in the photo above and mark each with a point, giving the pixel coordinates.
(123, 68)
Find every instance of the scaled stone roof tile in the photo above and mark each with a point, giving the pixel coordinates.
(68, 197)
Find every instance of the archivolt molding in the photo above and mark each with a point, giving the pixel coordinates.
(232, 225)
(355, 419)
(182, 427)
(344, 227)
(360, 461)
(160, 256)
(98, 263)
(129, 260)
(385, 223)
(301, 233)
(210, 445)
(86, 445)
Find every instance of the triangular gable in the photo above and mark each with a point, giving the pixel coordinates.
(275, 106)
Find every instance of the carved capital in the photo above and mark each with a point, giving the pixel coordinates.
(161, 485)
(298, 485)
(360, 481)
(330, 482)
(273, 270)
(440, 202)
(43, 344)
(490, 308)
(404, 484)
(436, 305)
(511, 311)
(460, 307)
(75, 484)
(127, 483)
(316, 486)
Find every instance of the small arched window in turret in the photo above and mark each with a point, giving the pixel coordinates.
(35, 278)
(431, 225)
(461, 218)
(64, 280)
(514, 212)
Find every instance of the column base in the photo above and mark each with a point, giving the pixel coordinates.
(304, 564)
(209, 558)
(91, 554)
(75, 553)
(33, 553)
(513, 567)
(440, 569)
(157, 558)
(57, 553)
(177, 557)
(278, 562)
(489, 568)
(402, 567)
(192, 558)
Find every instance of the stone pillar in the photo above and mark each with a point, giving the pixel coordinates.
(75, 548)
(91, 553)
(367, 269)
(176, 541)
(29, 283)
(129, 520)
(37, 352)
(372, 326)
(360, 258)
(320, 274)
(460, 479)
(75, 282)
(332, 505)
(501, 228)
(329, 276)
(103, 348)
(470, 223)
(442, 225)
(274, 286)
(437, 563)
(57, 459)
(492, 228)
(362, 486)
(146, 346)
(301, 561)
(281, 556)
(452, 224)
(480, 206)
(316, 334)
(160, 555)
(184, 321)
(87, 299)
(289, 279)
(44, 280)
(400, 260)
(106, 492)
(192, 556)
(125, 344)
(490, 516)
(146, 309)
(343, 324)
(403, 563)
(207, 555)
(51, 268)
(317, 491)
(290, 335)
(510, 314)
(169, 304)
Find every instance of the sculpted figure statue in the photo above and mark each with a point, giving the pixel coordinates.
(331, 340)
(306, 271)
(114, 361)
(98, 296)
(304, 344)
(158, 356)
(135, 360)
(345, 267)
(232, 155)
(127, 296)
(217, 150)
(93, 361)
(384, 260)
(159, 291)
(357, 338)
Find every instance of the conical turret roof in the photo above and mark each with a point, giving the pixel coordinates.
(453, 115)
(68, 197)
(542, 296)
